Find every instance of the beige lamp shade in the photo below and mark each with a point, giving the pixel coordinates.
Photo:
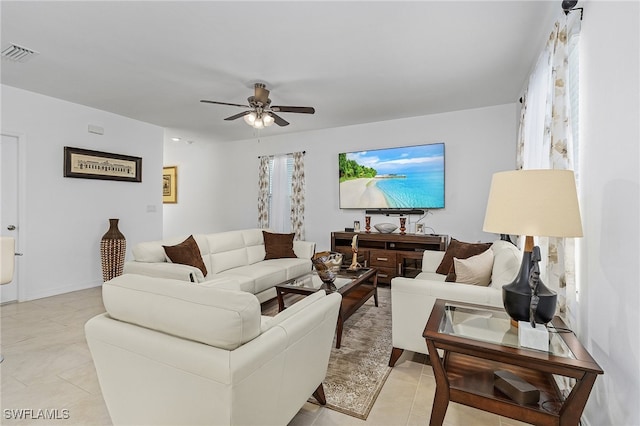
(533, 202)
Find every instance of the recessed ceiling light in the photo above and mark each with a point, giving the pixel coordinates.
(176, 139)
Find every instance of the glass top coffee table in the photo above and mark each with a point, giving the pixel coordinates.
(356, 287)
(476, 341)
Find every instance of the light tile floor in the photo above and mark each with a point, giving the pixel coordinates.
(47, 365)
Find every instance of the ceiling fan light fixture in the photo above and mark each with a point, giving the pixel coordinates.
(258, 124)
(250, 118)
(267, 119)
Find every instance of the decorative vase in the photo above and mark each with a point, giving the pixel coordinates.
(516, 296)
(367, 224)
(403, 223)
(112, 250)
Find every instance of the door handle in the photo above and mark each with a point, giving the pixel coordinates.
(11, 227)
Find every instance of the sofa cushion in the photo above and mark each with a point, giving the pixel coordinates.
(294, 267)
(217, 317)
(254, 242)
(278, 246)
(461, 250)
(506, 263)
(262, 275)
(228, 251)
(186, 253)
(474, 270)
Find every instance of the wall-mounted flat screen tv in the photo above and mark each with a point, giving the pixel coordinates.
(410, 177)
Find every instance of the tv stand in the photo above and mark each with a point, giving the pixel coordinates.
(400, 212)
(393, 255)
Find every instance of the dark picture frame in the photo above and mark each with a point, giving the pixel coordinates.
(88, 164)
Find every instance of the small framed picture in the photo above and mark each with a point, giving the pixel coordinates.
(356, 226)
(170, 185)
(419, 228)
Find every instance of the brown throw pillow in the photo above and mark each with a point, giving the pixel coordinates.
(186, 253)
(278, 245)
(461, 250)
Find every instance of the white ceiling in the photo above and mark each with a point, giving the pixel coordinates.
(355, 62)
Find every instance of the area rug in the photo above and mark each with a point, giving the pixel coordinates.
(357, 371)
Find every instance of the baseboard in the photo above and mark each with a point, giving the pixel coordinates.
(62, 290)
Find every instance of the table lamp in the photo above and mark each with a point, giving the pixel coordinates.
(540, 203)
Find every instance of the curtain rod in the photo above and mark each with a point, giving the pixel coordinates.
(275, 155)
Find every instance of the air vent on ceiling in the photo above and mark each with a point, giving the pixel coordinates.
(16, 53)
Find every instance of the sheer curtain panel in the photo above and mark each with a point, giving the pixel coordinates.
(545, 142)
(263, 193)
(298, 196)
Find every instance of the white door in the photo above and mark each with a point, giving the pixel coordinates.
(9, 205)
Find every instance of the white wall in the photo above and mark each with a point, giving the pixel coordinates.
(610, 139)
(220, 180)
(66, 217)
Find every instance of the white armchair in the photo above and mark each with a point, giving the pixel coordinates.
(171, 352)
(7, 262)
(7, 259)
(413, 298)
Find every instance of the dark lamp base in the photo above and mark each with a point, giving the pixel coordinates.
(516, 296)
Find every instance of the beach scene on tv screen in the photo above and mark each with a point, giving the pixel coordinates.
(402, 177)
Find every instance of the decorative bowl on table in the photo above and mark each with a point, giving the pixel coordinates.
(331, 259)
(327, 265)
(385, 228)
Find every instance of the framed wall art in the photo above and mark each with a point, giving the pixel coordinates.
(88, 164)
(170, 185)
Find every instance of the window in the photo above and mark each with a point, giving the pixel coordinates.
(280, 194)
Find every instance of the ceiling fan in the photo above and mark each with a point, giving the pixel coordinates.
(261, 113)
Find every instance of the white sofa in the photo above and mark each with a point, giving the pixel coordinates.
(413, 298)
(233, 255)
(168, 352)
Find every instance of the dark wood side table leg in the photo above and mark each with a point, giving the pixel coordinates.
(339, 330)
(375, 289)
(441, 399)
(574, 404)
(280, 297)
(395, 355)
(318, 394)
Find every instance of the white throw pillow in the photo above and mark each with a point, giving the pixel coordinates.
(474, 270)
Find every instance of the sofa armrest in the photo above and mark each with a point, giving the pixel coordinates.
(174, 271)
(304, 249)
(431, 260)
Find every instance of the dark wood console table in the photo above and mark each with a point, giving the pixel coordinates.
(478, 340)
(391, 254)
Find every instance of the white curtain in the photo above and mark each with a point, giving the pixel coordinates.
(280, 220)
(545, 142)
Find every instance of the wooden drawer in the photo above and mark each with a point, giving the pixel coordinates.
(385, 275)
(382, 259)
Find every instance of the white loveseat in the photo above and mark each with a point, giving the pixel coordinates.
(233, 255)
(168, 352)
(413, 298)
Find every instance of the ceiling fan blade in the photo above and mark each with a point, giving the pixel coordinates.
(224, 103)
(279, 120)
(241, 114)
(301, 110)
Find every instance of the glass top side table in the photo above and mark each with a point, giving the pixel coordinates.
(493, 325)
